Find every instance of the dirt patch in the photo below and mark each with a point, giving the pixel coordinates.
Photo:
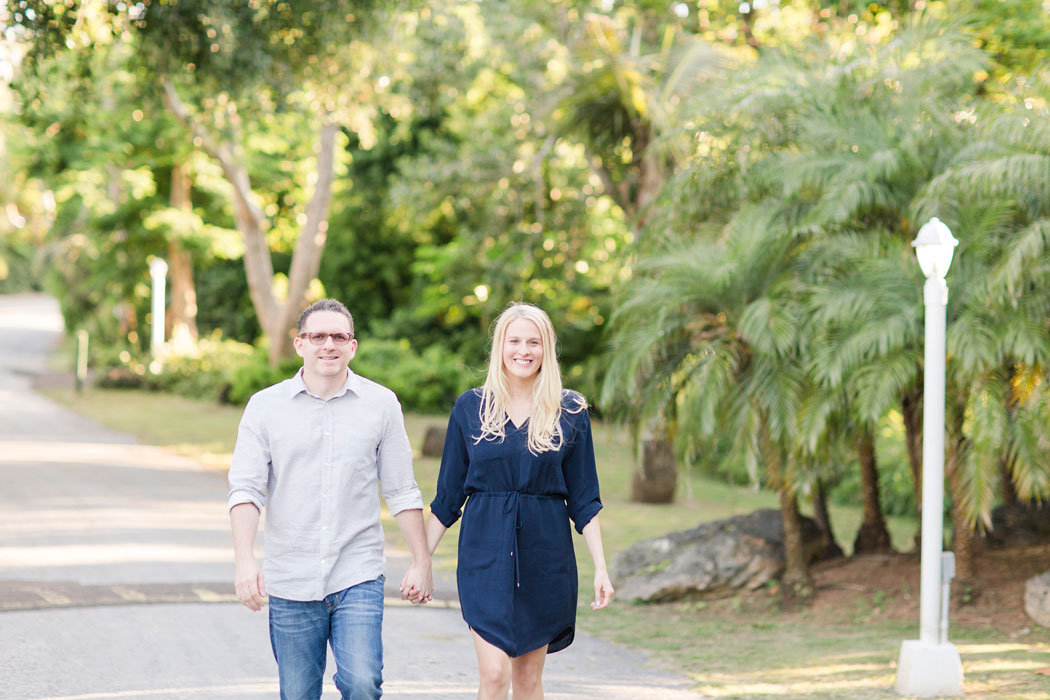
(888, 585)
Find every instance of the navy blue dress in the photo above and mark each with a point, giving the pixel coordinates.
(517, 570)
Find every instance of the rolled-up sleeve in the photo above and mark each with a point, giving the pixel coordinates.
(394, 462)
(447, 505)
(250, 467)
(581, 474)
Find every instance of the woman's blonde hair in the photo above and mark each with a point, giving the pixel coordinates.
(545, 419)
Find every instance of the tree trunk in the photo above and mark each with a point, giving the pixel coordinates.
(830, 548)
(872, 536)
(656, 475)
(1006, 462)
(276, 317)
(962, 535)
(306, 260)
(651, 177)
(911, 410)
(797, 586)
(182, 314)
(1006, 482)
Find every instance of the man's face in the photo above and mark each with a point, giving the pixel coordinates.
(328, 359)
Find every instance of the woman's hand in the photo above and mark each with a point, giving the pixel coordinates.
(603, 590)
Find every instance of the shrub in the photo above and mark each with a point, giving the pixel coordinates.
(228, 371)
(257, 374)
(206, 372)
(426, 382)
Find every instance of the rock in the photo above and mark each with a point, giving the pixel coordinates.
(1037, 598)
(710, 560)
(1019, 525)
(433, 441)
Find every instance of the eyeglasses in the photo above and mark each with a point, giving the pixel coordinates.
(320, 338)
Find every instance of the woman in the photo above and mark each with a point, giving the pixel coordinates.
(519, 452)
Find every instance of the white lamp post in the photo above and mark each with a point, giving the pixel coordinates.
(157, 271)
(930, 666)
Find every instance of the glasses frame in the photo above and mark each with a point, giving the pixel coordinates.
(308, 336)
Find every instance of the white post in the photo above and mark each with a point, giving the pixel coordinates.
(930, 666)
(82, 359)
(157, 271)
(935, 294)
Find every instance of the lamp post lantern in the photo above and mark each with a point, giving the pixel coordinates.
(930, 666)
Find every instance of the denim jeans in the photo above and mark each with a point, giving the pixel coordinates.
(352, 620)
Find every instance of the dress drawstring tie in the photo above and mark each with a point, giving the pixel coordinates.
(513, 505)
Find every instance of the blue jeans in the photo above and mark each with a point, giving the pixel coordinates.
(352, 620)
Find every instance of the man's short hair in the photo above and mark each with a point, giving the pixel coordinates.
(326, 305)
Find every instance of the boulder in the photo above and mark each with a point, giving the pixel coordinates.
(433, 441)
(1037, 599)
(710, 560)
(1019, 525)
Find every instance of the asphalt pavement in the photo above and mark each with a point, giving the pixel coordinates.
(116, 570)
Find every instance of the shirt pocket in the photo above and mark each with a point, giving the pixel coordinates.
(356, 440)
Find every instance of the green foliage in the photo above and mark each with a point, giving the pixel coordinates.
(896, 489)
(501, 207)
(16, 265)
(425, 381)
(207, 373)
(257, 374)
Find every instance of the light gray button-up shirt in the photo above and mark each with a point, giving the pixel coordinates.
(315, 465)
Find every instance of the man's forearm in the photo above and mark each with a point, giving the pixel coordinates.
(411, 524)
(244, 521)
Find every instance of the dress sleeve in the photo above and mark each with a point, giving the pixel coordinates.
(447, 505)
(581, 474)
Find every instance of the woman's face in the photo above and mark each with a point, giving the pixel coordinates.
(522, 349)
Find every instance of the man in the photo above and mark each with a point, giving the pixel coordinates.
(311, 450)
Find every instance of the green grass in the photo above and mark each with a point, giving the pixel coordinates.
(743, 647)
(202, 430)
(752, 651)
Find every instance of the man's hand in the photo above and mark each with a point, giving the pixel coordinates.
(249, 584)
(417, 585)
(418, 582)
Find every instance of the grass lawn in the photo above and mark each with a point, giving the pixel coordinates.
(742, 647)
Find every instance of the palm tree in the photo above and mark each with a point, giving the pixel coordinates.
(995, 191)
(872, 132)
(622, 103)
(869, 346)
(709, 330)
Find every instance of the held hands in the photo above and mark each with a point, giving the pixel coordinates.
(603, 590)
(249, 584)
(417, 585)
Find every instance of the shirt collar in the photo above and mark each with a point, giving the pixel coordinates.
(298, 386)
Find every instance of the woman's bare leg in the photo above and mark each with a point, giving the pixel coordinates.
(494, 668)
(527, 674)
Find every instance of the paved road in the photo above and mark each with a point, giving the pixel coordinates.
(115, 569)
